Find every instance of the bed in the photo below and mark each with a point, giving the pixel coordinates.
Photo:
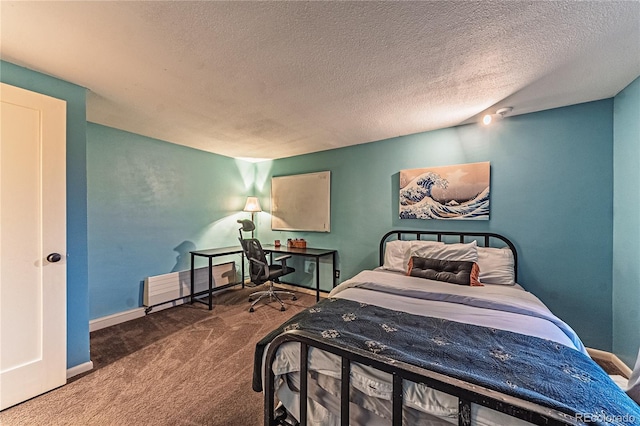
(440, 333)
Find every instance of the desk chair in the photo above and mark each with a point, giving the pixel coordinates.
(260, 271)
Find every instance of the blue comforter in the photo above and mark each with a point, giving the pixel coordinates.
(534, 369)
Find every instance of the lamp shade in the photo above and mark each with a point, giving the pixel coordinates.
(252, 205)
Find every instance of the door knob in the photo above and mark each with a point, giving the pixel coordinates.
(54, 257)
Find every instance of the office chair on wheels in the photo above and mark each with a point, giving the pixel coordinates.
(260, 271)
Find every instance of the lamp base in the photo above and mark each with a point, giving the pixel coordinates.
(254, 222)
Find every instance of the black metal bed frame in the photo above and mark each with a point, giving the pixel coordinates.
(467, 393)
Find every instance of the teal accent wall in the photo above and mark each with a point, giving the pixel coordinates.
(77, 289)
(626, 223)
(551, 193)
(150, 203)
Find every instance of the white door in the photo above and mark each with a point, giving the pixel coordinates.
(32, 227)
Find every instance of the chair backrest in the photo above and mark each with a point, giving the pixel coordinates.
(253, 250)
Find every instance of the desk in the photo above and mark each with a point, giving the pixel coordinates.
(210, 254)
(315, 253)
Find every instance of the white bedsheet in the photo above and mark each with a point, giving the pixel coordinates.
(505, 307)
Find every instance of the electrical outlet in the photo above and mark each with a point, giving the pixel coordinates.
(337, 273)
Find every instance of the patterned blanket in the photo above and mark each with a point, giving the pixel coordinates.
(534, 369)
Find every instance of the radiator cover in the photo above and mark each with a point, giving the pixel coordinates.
(165, 288)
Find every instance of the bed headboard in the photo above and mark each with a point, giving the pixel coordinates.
(484, 239)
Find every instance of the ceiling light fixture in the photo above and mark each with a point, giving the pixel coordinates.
(488, 118)
(504, 111)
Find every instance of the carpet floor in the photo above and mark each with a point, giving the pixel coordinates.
(180, 366)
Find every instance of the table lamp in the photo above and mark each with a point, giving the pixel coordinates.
(253, 206)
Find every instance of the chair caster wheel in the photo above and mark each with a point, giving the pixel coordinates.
(282, 309)
(250, 309)
(294, 298)
(250, 300)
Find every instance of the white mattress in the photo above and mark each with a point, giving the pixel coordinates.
(504, 307)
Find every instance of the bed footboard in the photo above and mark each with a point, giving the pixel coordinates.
(466, 393)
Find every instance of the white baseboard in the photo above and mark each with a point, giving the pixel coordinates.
(177, 302)
(120, 317)
(79, 369)
(109, 320)
(167, 305)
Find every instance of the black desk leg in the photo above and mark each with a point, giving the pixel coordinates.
(192, 278)
(210, 283)
(242, 277)
(317, 279)
(334, 269)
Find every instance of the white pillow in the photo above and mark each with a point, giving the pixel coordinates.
(496, 265)
(416, 244)
(396, 255)
(398, 252)
(462, 252)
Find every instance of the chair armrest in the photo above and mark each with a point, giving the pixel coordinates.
(263, 266)
(282, 259)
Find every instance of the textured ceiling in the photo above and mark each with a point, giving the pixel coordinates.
(277, 79)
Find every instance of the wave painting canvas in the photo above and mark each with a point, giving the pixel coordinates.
(447, 192)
